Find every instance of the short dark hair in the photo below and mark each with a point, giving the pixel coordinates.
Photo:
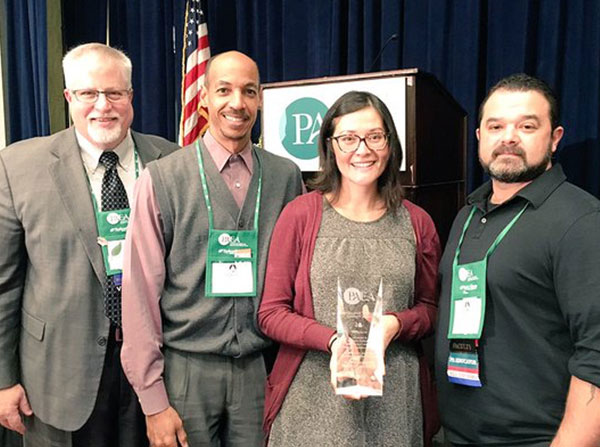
(523, 82)
(329, 178)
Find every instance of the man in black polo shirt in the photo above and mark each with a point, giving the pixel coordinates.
(518, 339)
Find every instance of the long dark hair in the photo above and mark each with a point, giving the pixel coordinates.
(329, 178)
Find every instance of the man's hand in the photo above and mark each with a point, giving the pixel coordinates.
(165, 429)
(13, 403)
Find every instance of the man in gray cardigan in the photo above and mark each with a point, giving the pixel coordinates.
(59, 361)
(195, 260)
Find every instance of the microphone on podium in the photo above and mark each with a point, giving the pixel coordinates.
(387, 42)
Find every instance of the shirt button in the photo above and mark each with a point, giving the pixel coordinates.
(241, 224)
(238, 185)
(483, 220)
(101, 341)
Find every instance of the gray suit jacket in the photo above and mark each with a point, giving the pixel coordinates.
(53, 331)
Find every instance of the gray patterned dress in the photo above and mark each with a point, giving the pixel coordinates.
(312, 415)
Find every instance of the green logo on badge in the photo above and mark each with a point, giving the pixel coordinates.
(116, 250)
(300, 125)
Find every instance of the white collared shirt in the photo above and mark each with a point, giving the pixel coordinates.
(90, 155)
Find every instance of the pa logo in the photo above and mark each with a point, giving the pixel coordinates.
(113, 218)
(224, 239)
(299, 127)
(352, 296)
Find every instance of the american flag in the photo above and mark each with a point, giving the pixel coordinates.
(196, 52)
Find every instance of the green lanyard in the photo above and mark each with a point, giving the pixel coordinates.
(112, 226)
(498, 238)
(207, 198)
(468, 293)
(231, 255)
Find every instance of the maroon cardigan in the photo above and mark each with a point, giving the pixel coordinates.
(286, 313)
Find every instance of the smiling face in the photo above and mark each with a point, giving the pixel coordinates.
(363, 167)
(516, 140)
(103, 123)
(232, 96)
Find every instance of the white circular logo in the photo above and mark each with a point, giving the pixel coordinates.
(113, 218)
(352, 295)
(224, 239)
(463, 274)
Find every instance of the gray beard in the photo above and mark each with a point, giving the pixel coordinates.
(105, 136)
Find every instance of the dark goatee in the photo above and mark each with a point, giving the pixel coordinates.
(526, 174)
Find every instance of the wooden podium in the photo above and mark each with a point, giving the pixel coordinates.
(430, 123)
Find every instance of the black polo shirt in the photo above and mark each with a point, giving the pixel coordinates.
(542, 319)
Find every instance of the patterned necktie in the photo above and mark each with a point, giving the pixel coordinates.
(113, 197)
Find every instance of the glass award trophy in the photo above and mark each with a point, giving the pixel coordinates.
(358, 363)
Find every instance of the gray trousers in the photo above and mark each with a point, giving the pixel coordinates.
(220, 399)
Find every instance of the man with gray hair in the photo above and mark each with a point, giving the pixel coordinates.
(64, 208)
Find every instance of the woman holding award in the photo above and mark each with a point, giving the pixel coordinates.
(351, 281)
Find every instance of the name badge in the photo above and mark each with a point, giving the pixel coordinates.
(231, 267)
(467, 300)
(112, 226)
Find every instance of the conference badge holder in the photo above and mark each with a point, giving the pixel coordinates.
(231, 268)
(467, 311)
(112, 226)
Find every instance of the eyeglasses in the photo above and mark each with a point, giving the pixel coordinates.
(349, 142)
(90, 96)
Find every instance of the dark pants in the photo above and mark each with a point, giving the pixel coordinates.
(10, 438)
(220, 399)
(116, 420)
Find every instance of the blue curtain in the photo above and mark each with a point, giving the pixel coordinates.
(27, 57)
(83, 21)
(467, 45)
(27, 92)
(145, 30)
